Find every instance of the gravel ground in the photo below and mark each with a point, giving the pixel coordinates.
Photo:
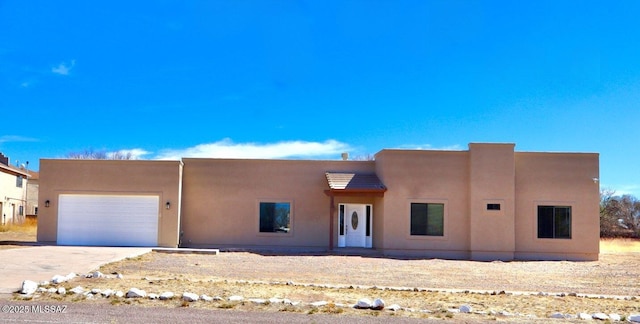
(613, 274)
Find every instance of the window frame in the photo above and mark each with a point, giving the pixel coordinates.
(259, 217)
(19, 181)
(445, 219)
(554, 221)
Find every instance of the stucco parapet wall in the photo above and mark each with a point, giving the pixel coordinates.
(110, 162)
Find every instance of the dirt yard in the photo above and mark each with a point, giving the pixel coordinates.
(431, 284)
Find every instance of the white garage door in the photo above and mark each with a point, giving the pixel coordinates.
(108, 220)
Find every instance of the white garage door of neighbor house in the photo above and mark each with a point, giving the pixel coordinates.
(108, 220)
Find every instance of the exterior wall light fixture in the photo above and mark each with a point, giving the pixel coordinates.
(46, 203)
(168, 205)
(595, 180)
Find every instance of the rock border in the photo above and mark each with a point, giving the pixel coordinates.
(29, 289)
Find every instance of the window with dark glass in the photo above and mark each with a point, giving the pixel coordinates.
(554, 222)
(19, 181)
(341, 221)
(275, 217)
(427, 219)
(493, 206)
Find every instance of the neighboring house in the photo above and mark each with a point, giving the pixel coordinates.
(485, 203)
(33, 186)
(13, 192)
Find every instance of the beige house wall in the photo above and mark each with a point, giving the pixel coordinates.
(492, 181)
(221, 201)
(109, 177)
(558, 179)
(425, 177)
(217, 200)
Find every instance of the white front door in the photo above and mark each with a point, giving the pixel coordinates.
(355, 225)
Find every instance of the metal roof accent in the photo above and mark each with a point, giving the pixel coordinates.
(356, 182)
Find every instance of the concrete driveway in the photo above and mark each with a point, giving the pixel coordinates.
(43, 262)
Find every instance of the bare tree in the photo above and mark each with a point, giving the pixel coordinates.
(619, 215)
(91, 154)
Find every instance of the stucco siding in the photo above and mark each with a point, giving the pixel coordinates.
(222, 197)
(558, 179)
(106, 177)
(429, 177)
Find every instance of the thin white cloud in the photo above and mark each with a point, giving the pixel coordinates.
(16, 138)
(63, 68)
(226, 148)
(132, 154)
(455, 147)
(621, 190)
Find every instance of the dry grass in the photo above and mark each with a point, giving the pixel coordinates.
(345, 279)
(620, 245)
(29, 226)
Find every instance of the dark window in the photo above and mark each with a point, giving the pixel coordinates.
(493, 206)
(427, 219)
(19, 181)
(554, 222)
(341, 221)
(36, 210)
(275, 217)
(368, 221)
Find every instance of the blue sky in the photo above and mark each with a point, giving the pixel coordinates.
(311, 79)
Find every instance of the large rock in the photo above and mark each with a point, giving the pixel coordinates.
(615, 317)
(190, 297)
(585, 316)
(600, 316)
(466, 309)
(136, 293)
(364, 303)
(58, 279)
(62, 291)
(634, 318)
(96, 275)
(206, 298)
(29, 287)
(320, 303)
(166, 295)
(236, 298)
(107, 293)
(378, 304)
(558, 315)
(258, 301)
(77, 290)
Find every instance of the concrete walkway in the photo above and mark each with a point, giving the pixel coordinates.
(43, 262)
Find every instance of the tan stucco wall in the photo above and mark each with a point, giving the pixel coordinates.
(560, 179)
(217, 200)
(492, 181)
(104, 177)
(430, 177)
(221, 199)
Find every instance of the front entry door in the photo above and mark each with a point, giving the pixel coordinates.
(355, 225)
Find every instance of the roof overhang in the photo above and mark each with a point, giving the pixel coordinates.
(13, 171)
(354, 184)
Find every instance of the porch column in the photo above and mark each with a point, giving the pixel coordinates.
(331, 210)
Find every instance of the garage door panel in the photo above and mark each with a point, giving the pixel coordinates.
(108, 220)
